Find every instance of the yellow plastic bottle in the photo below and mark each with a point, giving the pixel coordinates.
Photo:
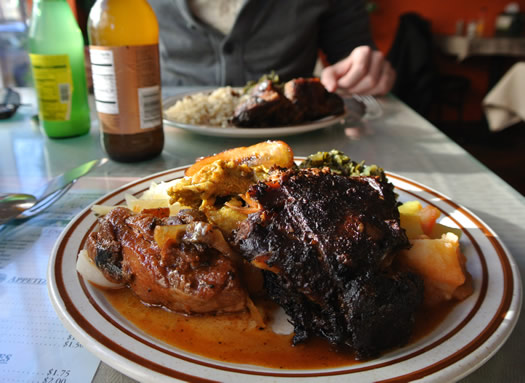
(124, 53)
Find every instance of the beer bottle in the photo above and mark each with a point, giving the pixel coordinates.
(124, 52)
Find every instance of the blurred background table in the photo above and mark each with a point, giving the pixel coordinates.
(494, 49)
(463, 46)
(400, 141)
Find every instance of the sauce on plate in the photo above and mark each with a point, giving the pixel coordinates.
(238, 339)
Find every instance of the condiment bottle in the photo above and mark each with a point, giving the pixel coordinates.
(124, 52)
(480, 25)
(56, 51)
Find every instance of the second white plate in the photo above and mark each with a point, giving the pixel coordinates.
(354, 110)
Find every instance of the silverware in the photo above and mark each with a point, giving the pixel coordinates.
(372, 106)
(367, 106)
(23, 206)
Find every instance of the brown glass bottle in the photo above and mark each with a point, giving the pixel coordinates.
(126, 78)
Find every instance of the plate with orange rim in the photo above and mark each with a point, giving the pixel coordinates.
(466, 338)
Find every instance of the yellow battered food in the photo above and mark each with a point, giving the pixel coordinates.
(218, 180)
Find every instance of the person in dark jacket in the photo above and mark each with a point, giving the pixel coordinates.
(229, 42)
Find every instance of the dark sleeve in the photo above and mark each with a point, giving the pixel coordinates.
(343, 27)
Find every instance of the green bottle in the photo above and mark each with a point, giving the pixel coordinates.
(56, 50)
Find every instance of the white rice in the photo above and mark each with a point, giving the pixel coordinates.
(205, 108)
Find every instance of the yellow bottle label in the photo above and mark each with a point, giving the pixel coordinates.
(54, 86)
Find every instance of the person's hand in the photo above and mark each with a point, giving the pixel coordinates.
(365, 71)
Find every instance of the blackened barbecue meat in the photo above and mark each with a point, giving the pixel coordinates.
(195, 273)
(302, 100)
(325, 243)
(266, 106)
(311, 97)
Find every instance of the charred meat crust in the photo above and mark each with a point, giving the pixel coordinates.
(326, 242)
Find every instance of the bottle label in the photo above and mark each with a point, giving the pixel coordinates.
(126, 84)
(54, 86)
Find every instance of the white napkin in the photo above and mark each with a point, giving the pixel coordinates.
(504, 105)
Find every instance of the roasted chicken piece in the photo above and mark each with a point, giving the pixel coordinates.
(181, 263)
(325, 244)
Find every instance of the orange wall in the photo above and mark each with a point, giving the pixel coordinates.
(443, 15)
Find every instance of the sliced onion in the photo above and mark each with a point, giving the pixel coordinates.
(89, 271)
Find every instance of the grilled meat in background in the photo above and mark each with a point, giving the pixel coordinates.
(325, 243)
(195, 273)
(303, 99)
(266, 106)
(310, 97)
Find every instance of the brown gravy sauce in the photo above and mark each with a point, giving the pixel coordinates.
(238, 339)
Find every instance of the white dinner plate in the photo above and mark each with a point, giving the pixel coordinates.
(470, 334)
(354, 111)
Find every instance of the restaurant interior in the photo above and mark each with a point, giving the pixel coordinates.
(457, 103)
(380, 241)
(460, 84)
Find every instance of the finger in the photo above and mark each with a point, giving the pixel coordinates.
(356, 63)
(352, 70)
(332, 73)
(386, 81)
(328, 78)
(370, 80)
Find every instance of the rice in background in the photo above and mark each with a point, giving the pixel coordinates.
(215, 108)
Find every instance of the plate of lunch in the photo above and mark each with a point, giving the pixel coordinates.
(253, 264)
(264, 109)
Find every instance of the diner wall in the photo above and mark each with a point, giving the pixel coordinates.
(443, 16)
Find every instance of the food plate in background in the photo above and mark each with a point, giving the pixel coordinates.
(471, 333)
(355, 110)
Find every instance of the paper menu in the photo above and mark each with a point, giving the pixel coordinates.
(34, 345)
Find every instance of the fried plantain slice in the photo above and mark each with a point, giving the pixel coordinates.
(267, 153)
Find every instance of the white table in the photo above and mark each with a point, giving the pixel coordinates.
(401, 141)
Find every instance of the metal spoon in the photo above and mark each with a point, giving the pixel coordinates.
(12, 205)
(24, 206)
